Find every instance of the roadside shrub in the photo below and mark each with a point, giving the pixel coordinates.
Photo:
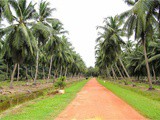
(60, 83)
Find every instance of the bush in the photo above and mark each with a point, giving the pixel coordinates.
(60, 83)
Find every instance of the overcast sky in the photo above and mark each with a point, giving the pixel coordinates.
(80, 18)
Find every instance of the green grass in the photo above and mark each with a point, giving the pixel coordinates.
(137, 83)
(142, 88)
(47, 108)
(146, 106)
(147, 86)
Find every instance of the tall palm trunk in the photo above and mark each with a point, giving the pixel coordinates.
(12, 76)
(124, 68)
(56, 75)
(18, 73)
(36, 74)
(44, 77)
(147, 65)
(7, 72)
(114, 74)
(154, 74)
(50, 68)
(61, 71)
(66, 72)
(119, 70)
(108, 72)
(27, 75)
(32, 73)
(123, 74)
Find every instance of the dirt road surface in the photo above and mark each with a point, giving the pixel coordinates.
(95, 102)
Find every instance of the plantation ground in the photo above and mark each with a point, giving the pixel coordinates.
(21, 87)
(24, 87)
(44, 107)
(96, 102)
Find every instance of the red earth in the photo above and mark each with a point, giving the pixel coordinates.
(95, 102)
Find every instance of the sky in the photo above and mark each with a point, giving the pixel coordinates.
(80, 18)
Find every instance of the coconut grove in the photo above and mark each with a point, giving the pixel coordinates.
(43, 77)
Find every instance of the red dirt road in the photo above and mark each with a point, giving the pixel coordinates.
(95, 102)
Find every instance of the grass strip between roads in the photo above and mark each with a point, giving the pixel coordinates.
(46, 107)
(147, 107)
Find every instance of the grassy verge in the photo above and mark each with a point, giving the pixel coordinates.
(148, 107)
(45, 108)
(140, 84)
(141, 88)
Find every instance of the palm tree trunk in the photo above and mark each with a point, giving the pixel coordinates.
(27, 75)
(154, 74)
(50, 68)
(124, 74)
(32, 73)
(61, 71)
(114, 74)
(12, 76)
(18, 73)
(72, 75)
(147, 65)
(108, 73)
(44, 74)
(57, 73)
(119, 70)
(124, 68)
(36, 74)
(7, 72)
(66, 71)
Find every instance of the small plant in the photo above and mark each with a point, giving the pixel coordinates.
(133, 85)
(60, 83)
(125, 82)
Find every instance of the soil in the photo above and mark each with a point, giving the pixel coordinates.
(23, 89)
(95, 102)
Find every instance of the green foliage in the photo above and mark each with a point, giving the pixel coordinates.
(60, 83)
(92, 72)
(142, 22)
(6, 10)
(108, 43)
(34, 39)
(2, 70)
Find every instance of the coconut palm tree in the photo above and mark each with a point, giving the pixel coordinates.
(19, 40)
(42, 29)
(78, 66)
(105, 58)
(141, 20)
(112, 40)
(32, 37)
(52, 46)
(54, 41)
